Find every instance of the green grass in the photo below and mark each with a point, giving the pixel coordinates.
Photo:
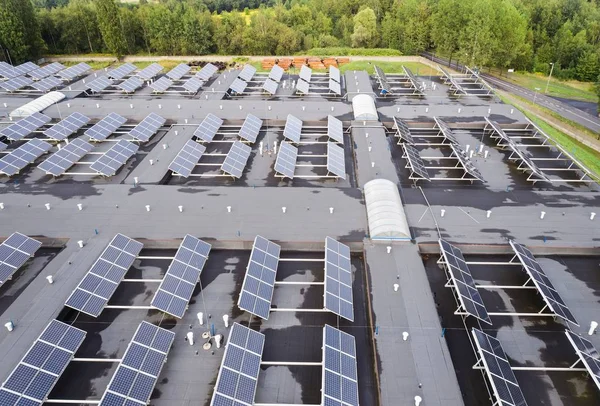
(94, 64)
(417, 68)
(345, 51)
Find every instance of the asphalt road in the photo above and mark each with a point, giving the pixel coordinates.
(569, 112)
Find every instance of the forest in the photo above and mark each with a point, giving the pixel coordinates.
(527, 35)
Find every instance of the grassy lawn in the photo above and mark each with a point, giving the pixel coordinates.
(95, 65)
(417, 68)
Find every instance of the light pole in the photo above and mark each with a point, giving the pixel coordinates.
(549, 76)
(537, 89)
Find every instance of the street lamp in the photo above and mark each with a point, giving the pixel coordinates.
(549, 76)
(537, 89)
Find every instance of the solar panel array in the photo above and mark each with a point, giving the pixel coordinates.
(588, 355)
(7, 71)
(556, 304)
(238, 86)
(67, 126)
(187, 158)
(147, 127)
(103, 278)
(175, 290)
(276, 73)
(251, 128)
(238, 374)
(383, 82)
(14, 252)
(32, 380)
(259, 282)
(47, 84)
(161, 85)
(16, 83)
(131, 85)
(305, 73)
(446, 131)
(136, 376)
(336, 160)
(192, 85)
(415, 162)
(403, 131)
(236, 159)
(340, 373)
(25, 126)
(121, 71)
(463, 282)
(302, 87)
(293, 128)
(178, 72)
(113, 159)
(335, 87)
(207, 71)
(412, 78)
(150, 71)
(504, 383)
(466, 162)
(26, 68)
(44, 72)
(207, 130)
(100, 84)
(24, 155)
(59, 162)
(335, 129)
(247, 73)
(285, 163)
(74, 71)
(334, 74)
(105, 127)
(270, 86)
(338, 279)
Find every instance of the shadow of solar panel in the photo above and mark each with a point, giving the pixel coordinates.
(336, 160)
(236, 159)
(340, 373)
(24, 155)
(247, 73)
(44, 72)
(285, 164)
(67, 126)
(335, 129)
(403, 131)
(59, 162)
(207, 71)
(305, 73)
(207, 130)
(100, 84)
(33, 378)
(238, 374)
(24, 127)
(238, 86)
(131, 85)
(466, 162)
(150, 71)
(504, 383)
(334, 74)
(178, 72)
(148, 127)
(16, 83)
(463, 282)
(121, 71)
(338, 279)
(187, 158)
(251, 128)
(417, 167)
(544, 286)
(302, 87)
(14, 252)
(161, 85)
(293, 128)
(259, 281)
(74, 71)
(47, 84)
(105, 127)
(113, 159)
(192, 85)
(335, 87)
(587, 354)
(103, 278)
(135, 378)
(276, 73)
(175, 291)
(270, 86)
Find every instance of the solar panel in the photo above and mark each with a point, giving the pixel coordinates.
(335, 129)
(238, 374)
(150, 71)
(44, 72)
(7, 71)
(47, 84)
(335, 87)
(251, 128)
(293, 128)
(122, 71)
(466, 162)
(193, 84)
(33, 378)
(270, 86)
(25, 126)
(236, 159)
(105, 127)
(505, 387)
(340, 374)
(187, 158)
(207, 130)
(334, 73)
(175, 290)
(247, 73)
(67, 126)
(178, 72)
(403, 131)
(338, 279)
(336, 160)
(100, 84)
(148, 127)
(162, 84)
(206, 72)
(103, 278)
(257, 289)
(276, 73)
(16, 83)
(26, 67)
(446, 131)
(305, 73)
(238, 86)
(24, 155)
(74, 71)
(302, 87)
(58, 163)
(285, 163)
(131, 85)
(113, 159)
(588, 355)
(542, 283)
(383, 82)
(415, 162)
(412, 78)
(3, 146)
(460, 275)
(14, 252)
(136, 376)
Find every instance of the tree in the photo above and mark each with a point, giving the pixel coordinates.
(110, 27)
(365, 29)
(509, 32)
(588, 66)
(229, 31)
(598, 93)
(447, 22)
(20, 37)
